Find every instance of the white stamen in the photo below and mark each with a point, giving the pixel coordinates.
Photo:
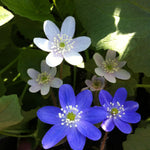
(66, 121)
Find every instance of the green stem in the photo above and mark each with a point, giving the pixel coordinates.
(23, 93)
(143, 85)
(96, 100)
(9, 65)
(74, 77)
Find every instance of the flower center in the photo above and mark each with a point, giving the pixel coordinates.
(110, 65)
(43, 78)
(61, 44)
(115, 110)
(97, 84)
(70, 116)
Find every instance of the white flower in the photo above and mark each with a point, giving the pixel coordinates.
(61, 44)
(96, 84)
(44, 80)
(111, 67)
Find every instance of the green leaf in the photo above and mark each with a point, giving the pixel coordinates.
(5, 15)
(5, 31)
(139, 140)
(130, 86)
(64, 7)
(9, 111)
(29, 58)
(29, 29)
(139, 58)
(120, 26)
(32, 9)
(24, 125)
(90, 66)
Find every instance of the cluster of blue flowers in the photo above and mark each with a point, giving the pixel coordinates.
(76, 117)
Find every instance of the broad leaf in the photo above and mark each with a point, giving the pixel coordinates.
(32, 9)
(25, 61)
(9, 111)
(119, 25)
(130, 86)
(139, 140)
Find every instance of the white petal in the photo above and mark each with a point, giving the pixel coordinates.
(94, 77)
(33, 83)
(122, 74)
(45, 89)
(99, 71)
(43, 44)
(68, 26)
(98, 59)
(88, 83)
(73, 58)
(51, 30)
(34, 89)
(53, 71)
(53, 60)
(56, 83)
(110, 78)
(81, 43)
(110, 54)
(122, 63)
(44, 67)
(33, 73)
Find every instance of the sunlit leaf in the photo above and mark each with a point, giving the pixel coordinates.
(5, 16)
(32, 9)
(119, 25)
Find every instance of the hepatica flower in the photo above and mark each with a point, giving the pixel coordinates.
(60, 43)
(44, 80)
(73, 120)
(96, 84)
(118, 112)
(110, 68)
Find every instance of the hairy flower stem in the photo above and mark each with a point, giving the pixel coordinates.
(103, 141)
(9, 65)
(53, 97)
(96, 100)
(61, 70)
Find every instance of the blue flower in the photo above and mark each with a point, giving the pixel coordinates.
(74, 120)
(118, 112)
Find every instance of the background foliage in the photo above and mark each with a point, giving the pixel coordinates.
(121, 25)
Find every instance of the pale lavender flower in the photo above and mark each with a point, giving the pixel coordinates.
(60, 43)
(110, 68)
(96, 84)
(44, 80)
